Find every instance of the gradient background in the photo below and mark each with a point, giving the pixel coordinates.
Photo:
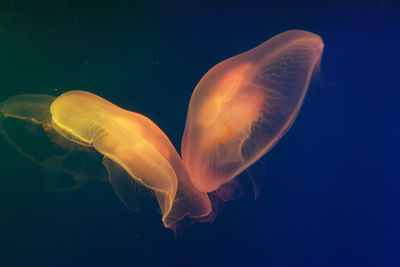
(331, 188)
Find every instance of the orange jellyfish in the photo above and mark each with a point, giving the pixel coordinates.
(245, 104)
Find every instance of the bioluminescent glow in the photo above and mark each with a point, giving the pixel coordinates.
(237, 113)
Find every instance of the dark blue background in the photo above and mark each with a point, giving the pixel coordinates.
(331, 188)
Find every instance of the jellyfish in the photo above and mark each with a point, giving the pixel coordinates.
(49, 149)
(135, 143)
(244, 105)
(130, 143)
(33, 108)
(238, 111)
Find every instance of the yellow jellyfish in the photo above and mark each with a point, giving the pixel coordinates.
(136, 144)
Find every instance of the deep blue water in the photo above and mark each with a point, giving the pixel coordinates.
(330, 195)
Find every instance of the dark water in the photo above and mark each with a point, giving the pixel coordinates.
(331, 188)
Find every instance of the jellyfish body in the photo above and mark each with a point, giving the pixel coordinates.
(35, 108)
(237, 113)
(136, 144)
(244, 105)
(56, 150)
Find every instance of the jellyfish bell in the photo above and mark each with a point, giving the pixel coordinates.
(136, 144)
(25, 124)
(35, 108)
(245, 104)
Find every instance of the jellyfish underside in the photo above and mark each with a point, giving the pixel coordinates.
(237, 113)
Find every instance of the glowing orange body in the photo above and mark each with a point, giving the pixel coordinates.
(243, 106)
